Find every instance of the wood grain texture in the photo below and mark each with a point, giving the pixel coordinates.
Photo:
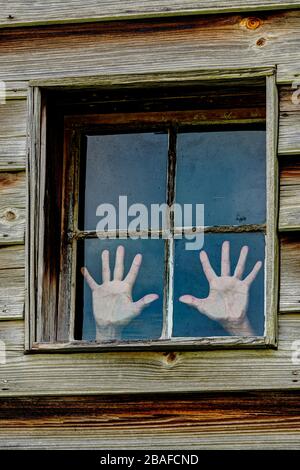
(271, 436)
(289, 130)
(12, 207)
(13, 123)
(289, 96)
(149, 371)
(12, 153)
(12, 334)
(210, 421)
(15, 90)
(13, 119)
(12, 287)
(289, 133)
(12, 284)
(290, 273)
(121, 48)
(12, 257)
(272, 248)
(161, 45)
(20, 13)
(289, 214)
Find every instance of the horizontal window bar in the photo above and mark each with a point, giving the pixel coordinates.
(194, 117)
(220, 229)
(165, 234)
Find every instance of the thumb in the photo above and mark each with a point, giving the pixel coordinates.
(193, 301)
(144, 302)
(190, 300)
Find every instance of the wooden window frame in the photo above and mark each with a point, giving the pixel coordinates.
(37, 193)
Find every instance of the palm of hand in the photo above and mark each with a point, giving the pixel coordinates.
(113, 304)
(227, 300)
(228, 297)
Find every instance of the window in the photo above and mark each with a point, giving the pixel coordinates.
(156, 214)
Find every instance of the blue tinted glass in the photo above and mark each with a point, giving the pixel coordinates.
(148, 324)
(225, 171)
(132, 165)
(190, 279)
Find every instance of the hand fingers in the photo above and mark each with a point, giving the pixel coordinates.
(105, 266)
(250, 278)
(119, 264)
(91, 282)
(240, 267)
(208, 270)
(225, 259)
(134, 270)
(144, 302)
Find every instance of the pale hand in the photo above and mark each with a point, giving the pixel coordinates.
(113, 306)
(228, 297)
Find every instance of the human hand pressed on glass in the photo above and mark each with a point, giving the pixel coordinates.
(227, 302)
(113, 306)
(228, 297)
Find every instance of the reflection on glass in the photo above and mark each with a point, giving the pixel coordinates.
(118, 315)
(225, 171)
(210, 318)
(134, 165)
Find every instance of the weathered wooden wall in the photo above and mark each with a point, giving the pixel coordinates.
(22, 12)
(269, 38)
(240, 421)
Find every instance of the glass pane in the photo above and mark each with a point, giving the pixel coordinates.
(227, 299)
(131, 324)
(131, 165)
(225, 171)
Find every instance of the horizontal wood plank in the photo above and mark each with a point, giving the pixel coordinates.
(289, 133)
(13, 119)
(12, 335)
(12, 207)
(289, 213)
(289, 97)
(149, 371)
(143, 46)
(13, 124)
(92, 437)
(289, 123)
(198, 421)
(12, 257)
(20, 13)
(13, 162)
(290, 273)
(14, 90)
(12, 286)
(12, 153)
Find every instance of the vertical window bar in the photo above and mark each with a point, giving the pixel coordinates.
(169, 243)
(64, 310)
